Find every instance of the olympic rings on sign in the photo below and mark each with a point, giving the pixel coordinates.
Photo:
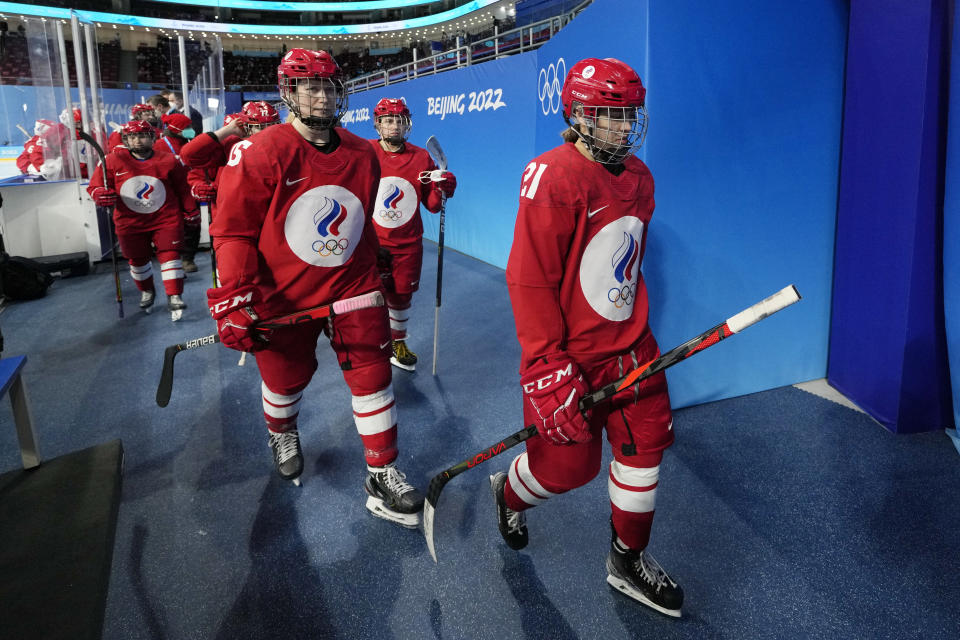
(331, 247)
(621, 296)
(549, 86)
(391, 215)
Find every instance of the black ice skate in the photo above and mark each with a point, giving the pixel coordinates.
(637, 575)
(287, 454)
(146, 300)
(189, 265)
(512, 524)
(175, 305)
(391, 497)
(402, 356)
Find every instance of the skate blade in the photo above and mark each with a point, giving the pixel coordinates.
(296, 482)
(377, 508)
(176, 315)
(405, 367)
(147, 309)
(628, 590)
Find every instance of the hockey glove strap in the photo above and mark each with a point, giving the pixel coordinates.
(552, 387)
(104, 197)
(447, 184)
(204, 192)
(236, 318)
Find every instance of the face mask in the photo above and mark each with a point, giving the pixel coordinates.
(188, 133)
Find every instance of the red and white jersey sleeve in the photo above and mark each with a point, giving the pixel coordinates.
(151, 192)
(302, 215)
(25, 159)
(574, 268)
(400, 193)
(207, 152)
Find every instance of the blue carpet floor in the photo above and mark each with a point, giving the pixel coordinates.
(781, 514)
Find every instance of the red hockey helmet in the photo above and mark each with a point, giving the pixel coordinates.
(397, 108)
(311, 85)
(67, 113)
(41, 126)
(177, 123)
(137, 126)
(260, 114)
(604, 96)
(137, 109)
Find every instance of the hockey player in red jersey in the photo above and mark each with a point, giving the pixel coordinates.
(293, 230)
(580, 305)
(149, 191)
(207, 154)
(46, 154)
(397, 215)
(177, 131)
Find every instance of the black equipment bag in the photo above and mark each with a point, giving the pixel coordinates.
(22, 278)
(66, 265)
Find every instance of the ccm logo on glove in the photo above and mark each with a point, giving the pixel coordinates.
(237, 301)
(542, 383)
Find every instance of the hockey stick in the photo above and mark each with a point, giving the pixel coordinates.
(440, 159)
(365, 301)
(735, 324)
(25, 132)
(113, 247)
(205, 210)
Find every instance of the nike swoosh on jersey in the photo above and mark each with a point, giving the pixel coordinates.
(122, 173)
(595, 211)
(384, 345)
(290, 182)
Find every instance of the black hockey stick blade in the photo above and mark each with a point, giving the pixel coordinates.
(440, 480)
(735, 324)
(436, 152)
(165, 387)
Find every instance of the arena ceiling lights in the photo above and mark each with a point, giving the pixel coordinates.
(240, 29)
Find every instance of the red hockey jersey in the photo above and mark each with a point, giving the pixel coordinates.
(297, 222)
(25, 159)
(170, 144)
(397, 210)
(574, 269)
(152, 192)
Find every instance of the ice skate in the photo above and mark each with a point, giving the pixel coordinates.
(175, 305)
(287, 454)
(146, 300)
(402, 356)
(189, 265)
(512, 524)
(637, 575)
(391, 497)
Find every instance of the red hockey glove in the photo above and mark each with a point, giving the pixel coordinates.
(553, 386)
(236, 318)
(447, 184)
(104, 196)
(191, 218)
(204, 192)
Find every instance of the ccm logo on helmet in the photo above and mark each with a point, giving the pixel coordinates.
(544, 382)
(237, 301)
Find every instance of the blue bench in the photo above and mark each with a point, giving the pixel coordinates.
(10, 381)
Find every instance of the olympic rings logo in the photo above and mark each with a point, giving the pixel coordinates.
(549, 86)
(621, 296)
(391, 215)
(331, 247)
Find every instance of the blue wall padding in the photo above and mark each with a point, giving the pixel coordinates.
(951, 225)
(887, 339)
(745, 108)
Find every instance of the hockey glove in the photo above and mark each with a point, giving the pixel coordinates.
(104, 197)
(204, 192)
(553, 386)
(447, 184)
(236, 318)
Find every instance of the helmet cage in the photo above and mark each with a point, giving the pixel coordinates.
(135, 128)
(405, 123)
(298, 94)
(259, 115)
(601, 129)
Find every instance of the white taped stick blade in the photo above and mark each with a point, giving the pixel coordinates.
(436, 152)
(372, 299)
(428, 529)
(765, 308)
